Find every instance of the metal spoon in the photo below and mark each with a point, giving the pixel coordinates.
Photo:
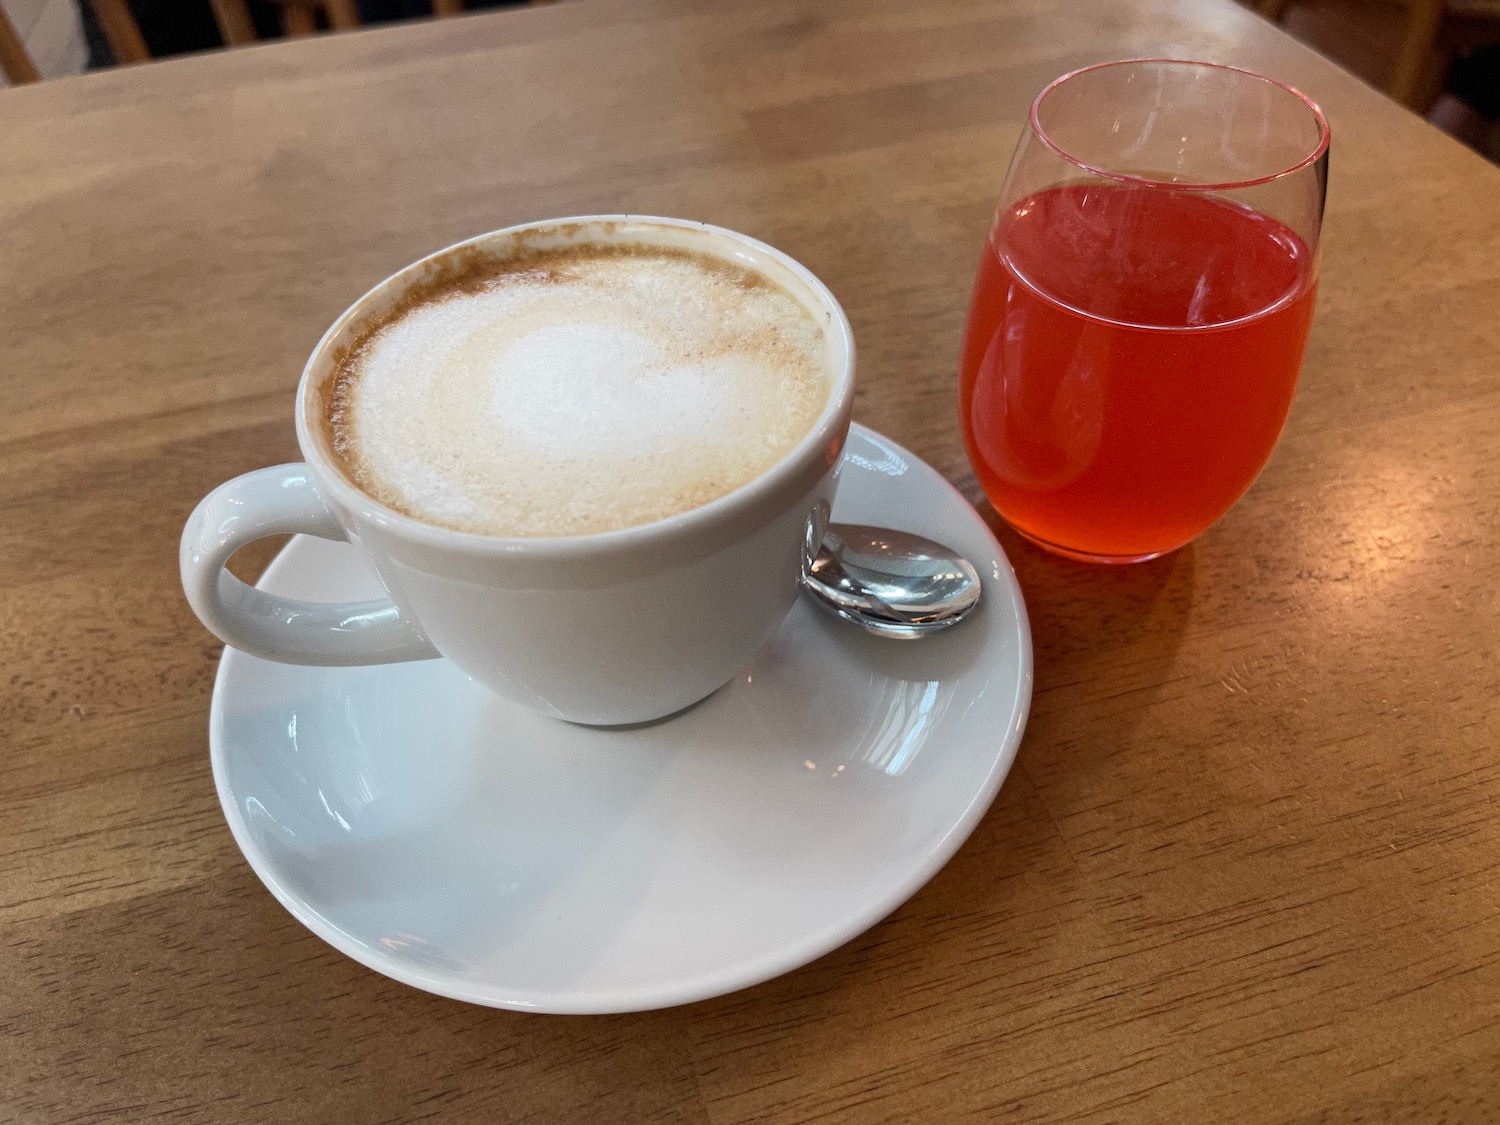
(891, 583)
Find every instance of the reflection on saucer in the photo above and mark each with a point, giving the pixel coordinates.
(887, 458)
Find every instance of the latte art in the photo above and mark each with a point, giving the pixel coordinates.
(580, 390)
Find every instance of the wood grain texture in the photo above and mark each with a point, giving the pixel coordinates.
(1246, 866)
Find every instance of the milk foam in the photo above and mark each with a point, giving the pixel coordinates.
(581, 393)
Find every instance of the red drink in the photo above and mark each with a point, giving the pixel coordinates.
(1129, 361)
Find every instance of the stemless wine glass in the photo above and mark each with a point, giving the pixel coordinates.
(1143, 303)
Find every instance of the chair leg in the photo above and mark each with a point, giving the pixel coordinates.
(122, 32)
(1416, 48)
(447, 7)
(235, 25)
(342, 14)
(15, 63)
(298, 20)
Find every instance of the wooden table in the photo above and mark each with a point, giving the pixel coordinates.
(1248, 865)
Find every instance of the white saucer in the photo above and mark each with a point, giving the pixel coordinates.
(468, 847)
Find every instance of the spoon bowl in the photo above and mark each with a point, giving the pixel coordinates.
(891, 583)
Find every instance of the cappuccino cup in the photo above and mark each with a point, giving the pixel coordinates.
(588, 458)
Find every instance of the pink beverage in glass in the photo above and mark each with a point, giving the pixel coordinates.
(1139, 316)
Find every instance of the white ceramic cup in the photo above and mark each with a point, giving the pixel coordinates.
(614, 627)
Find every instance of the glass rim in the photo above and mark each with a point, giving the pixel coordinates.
(1311, 158)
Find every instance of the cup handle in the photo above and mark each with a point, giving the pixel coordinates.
(276, 501)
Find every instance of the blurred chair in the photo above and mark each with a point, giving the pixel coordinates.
(298, 18)
(15, 63)
(50, 23)
(236, 27)
(1410, 82)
